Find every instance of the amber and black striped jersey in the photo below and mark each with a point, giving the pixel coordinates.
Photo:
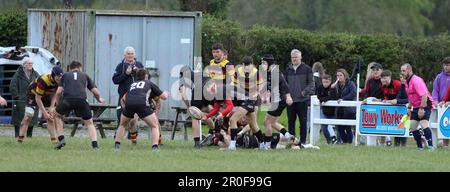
(141, 92)
(248, 83)
(220, 71)
(43, 85)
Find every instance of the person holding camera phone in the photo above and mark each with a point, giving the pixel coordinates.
(124, 76)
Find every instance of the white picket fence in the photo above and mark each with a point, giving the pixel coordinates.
(316, 121)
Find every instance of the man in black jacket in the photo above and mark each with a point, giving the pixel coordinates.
(300, 81)
(124, 76)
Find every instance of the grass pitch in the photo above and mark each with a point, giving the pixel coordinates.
(37, 154)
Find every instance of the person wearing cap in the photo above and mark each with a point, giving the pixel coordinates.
(41, 95)
(276, 93)
(24, 75)
(248, 85)
(440, 86)
(299, 77)
(374, 89)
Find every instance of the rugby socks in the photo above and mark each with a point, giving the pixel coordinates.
(418, 137)
(234, 133)
(94, 144)
(267, 141)
(20, 139)
(196, 141)
(428, 136)
(260, 136)
(283, 131)
(133, 136)
(61, 138)
(53, 140)
(117, 145)
(154, 147)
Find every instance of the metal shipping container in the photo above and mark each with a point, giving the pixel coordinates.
(162, 40)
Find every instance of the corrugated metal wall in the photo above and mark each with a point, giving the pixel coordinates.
(170, 42)
(160, 42)
(98, 38)
(61, 32)
(113, 34)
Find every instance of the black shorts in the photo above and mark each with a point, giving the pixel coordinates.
(415, 114)
(141, 111)
(200, 104)
(80, 106)
(276, 112)
(46, 100)
(249, 105)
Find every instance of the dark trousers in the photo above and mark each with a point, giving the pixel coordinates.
(345, 133)
(400, 141)
(300, 110)
(17, 130)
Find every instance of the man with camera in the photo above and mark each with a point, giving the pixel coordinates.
(124, 76)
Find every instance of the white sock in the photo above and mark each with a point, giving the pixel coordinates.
(268, 144)
(287, 135)
(232, 145)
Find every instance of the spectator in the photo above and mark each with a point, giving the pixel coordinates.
(391, 88)
(324, 94)
(441, 85)
(421, 102)
(318, 72)
(23, 77)
(346, 91)
(300, 81)
(401, 99)
(373, 84)
(373, 88)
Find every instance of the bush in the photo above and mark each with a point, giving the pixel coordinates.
(334, 50)
(13, 28)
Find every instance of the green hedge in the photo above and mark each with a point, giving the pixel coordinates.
(13, 28)
(334, 50)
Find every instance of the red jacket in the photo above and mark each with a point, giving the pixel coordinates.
(391, 91)
(447, 96)
(229, 106)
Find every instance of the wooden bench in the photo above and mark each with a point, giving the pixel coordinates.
(179, 110)
(98, 121)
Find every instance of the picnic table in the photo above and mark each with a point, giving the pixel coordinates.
(97, 110)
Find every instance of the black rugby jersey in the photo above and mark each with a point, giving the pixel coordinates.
(75, 84)
(141, 92)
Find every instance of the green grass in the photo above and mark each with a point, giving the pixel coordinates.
(37, 154)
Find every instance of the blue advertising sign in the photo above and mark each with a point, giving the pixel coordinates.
(444, 124)
(382, 120)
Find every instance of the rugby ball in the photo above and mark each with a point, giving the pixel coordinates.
(195, 113)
